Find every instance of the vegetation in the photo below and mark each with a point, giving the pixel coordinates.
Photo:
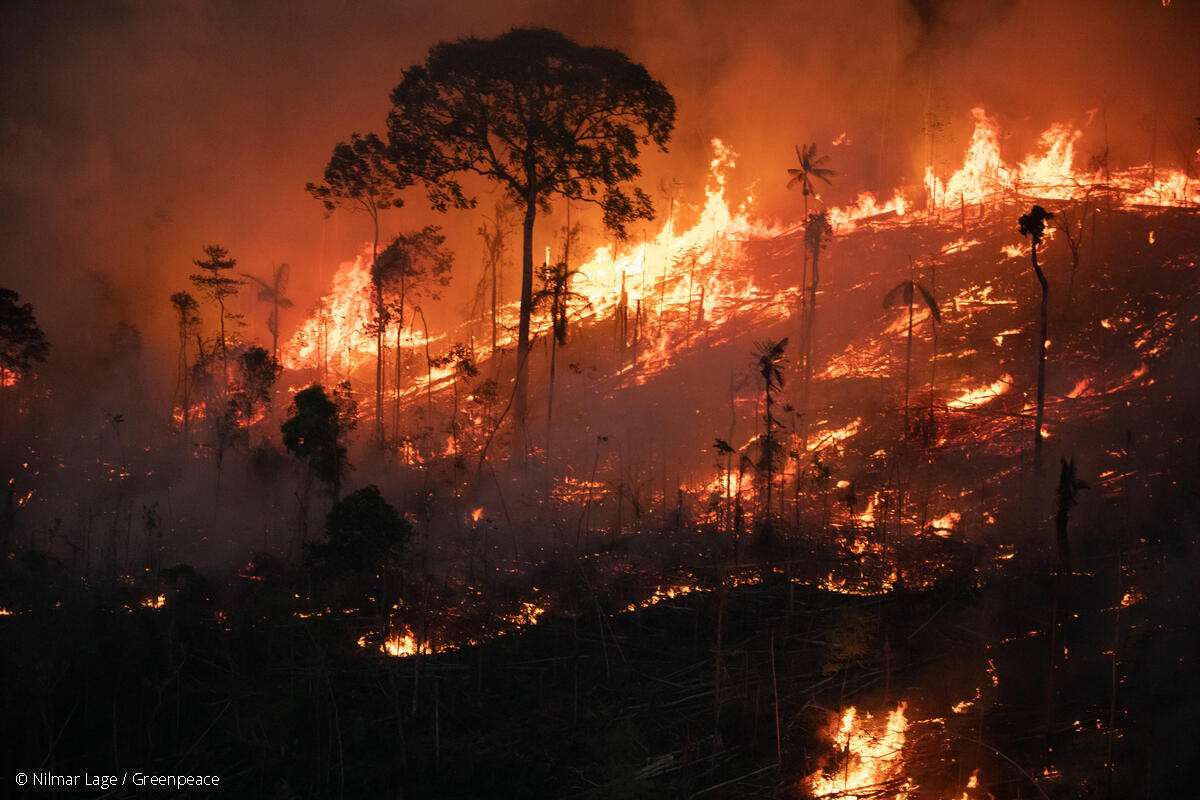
(213, 280)
(1033, 225)
(543, 117)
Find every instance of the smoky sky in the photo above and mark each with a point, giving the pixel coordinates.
(132, 134)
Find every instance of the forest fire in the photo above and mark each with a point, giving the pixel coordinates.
(600, 420)
(868, 760)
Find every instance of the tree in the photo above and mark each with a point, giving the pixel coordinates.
(903, 295)
(1033, 225)
(415, 265)
(540, 115)
(810, 166)
(258, 373)
(362, 176)
(816, 235)
(186, 308)
(214, 282)
(362, 531)
(273, 293)
(557, 297)
(315, 433)
(494, 232)
(22, 343)
(1069, 487)
(769, 360)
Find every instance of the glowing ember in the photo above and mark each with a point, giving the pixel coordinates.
(870, 759)
(946, 525)
(1131, 597)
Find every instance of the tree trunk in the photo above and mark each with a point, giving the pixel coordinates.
(379, 327)
(1041, 369)
(521, 406)
(908, 356)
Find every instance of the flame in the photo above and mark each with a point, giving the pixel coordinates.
(945, 525)
(399, 643)
(477, 514)
(154, 602)
(1048, 174)
(870, 759)
(982, 395)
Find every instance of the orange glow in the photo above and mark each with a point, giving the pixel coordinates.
(870, 759)
(982, 395)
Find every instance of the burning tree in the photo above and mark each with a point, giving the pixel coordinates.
(1033, 225)
(542, 116)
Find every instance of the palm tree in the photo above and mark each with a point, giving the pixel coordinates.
(810, 166)
(906, 294)
(816, 235)
(769, 360)
(1033, 225)
(273, 293)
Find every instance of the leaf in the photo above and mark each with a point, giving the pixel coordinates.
(929, 301)
(900, 296)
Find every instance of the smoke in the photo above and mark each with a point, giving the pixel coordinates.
(133, 134)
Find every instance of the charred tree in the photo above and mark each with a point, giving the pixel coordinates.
(1033, 225)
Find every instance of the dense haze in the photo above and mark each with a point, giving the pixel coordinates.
(135, 133)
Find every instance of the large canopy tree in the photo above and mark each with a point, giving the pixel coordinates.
(542, 116)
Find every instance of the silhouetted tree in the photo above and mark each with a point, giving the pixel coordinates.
(1069, 487)
(214, 282)
(1033, 225)
(810, 166)
(362, 531)
(816, 236)
(273, 293)
(542, 116)
(769, 360)
(903, 295)
(189, 322)
(315, 433)
(258, 372)
(22, 343)
(363, 176)
(415, 265)
(557, 297)
(494, 232)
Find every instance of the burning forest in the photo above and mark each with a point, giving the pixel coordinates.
(797, 405)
